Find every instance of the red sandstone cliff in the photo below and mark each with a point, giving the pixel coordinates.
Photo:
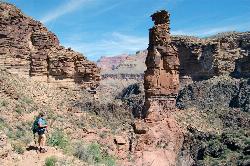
(223, 54)
(29, 49)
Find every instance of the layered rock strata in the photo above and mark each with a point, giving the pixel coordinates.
(161, 80)
(29, 49)
(224, 54)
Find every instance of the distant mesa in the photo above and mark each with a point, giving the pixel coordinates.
(123, 66)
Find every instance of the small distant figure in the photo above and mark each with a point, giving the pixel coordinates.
(40, 127)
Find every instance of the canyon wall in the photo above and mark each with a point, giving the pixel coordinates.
(110, 63)
(29, 49)
(224, 54)
(126, 67)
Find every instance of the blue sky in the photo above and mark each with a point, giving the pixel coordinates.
(112, 27)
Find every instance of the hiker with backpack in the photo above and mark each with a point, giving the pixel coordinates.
(40, 127)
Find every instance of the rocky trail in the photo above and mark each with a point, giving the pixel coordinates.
(33, 157)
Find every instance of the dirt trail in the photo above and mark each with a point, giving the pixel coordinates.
(33, 157)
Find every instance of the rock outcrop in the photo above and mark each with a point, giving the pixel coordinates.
(161, 80)
(29, 49)
(172, 64)
(224, 54)
(158, 142)
(158, 136)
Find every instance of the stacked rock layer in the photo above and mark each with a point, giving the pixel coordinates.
(29, 49)
(224, 54)
(161, 80)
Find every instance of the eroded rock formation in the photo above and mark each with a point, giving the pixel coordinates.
(161, 80)
(29, 49)
(158, 136)
(224, 54)
(211, 62)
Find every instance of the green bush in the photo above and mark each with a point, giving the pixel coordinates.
(94, 151)
(109, 160)
(58, 139)
(93, 154)
(50, 161)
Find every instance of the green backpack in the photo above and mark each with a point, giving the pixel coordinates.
(35, 126)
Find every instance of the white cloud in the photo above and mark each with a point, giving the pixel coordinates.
(113, 44)
(68, 7)
(103, 10)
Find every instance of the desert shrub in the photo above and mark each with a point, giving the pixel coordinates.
(94, 151)
(3, 125)
(93, 154)
(90, 153)
(19, 134)
(50, 161)
(18, 147)
(19, 110)
(103, 135)
(51, 115)
(15, 134)
(3, 103)
(109, 160)
(81, 152)
(26, 100)
(109, 114)
(58, 139)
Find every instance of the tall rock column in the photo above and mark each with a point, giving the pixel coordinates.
(158, 136)
(161, 80)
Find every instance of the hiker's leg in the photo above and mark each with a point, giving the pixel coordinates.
(39, 141)
(43, 140)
